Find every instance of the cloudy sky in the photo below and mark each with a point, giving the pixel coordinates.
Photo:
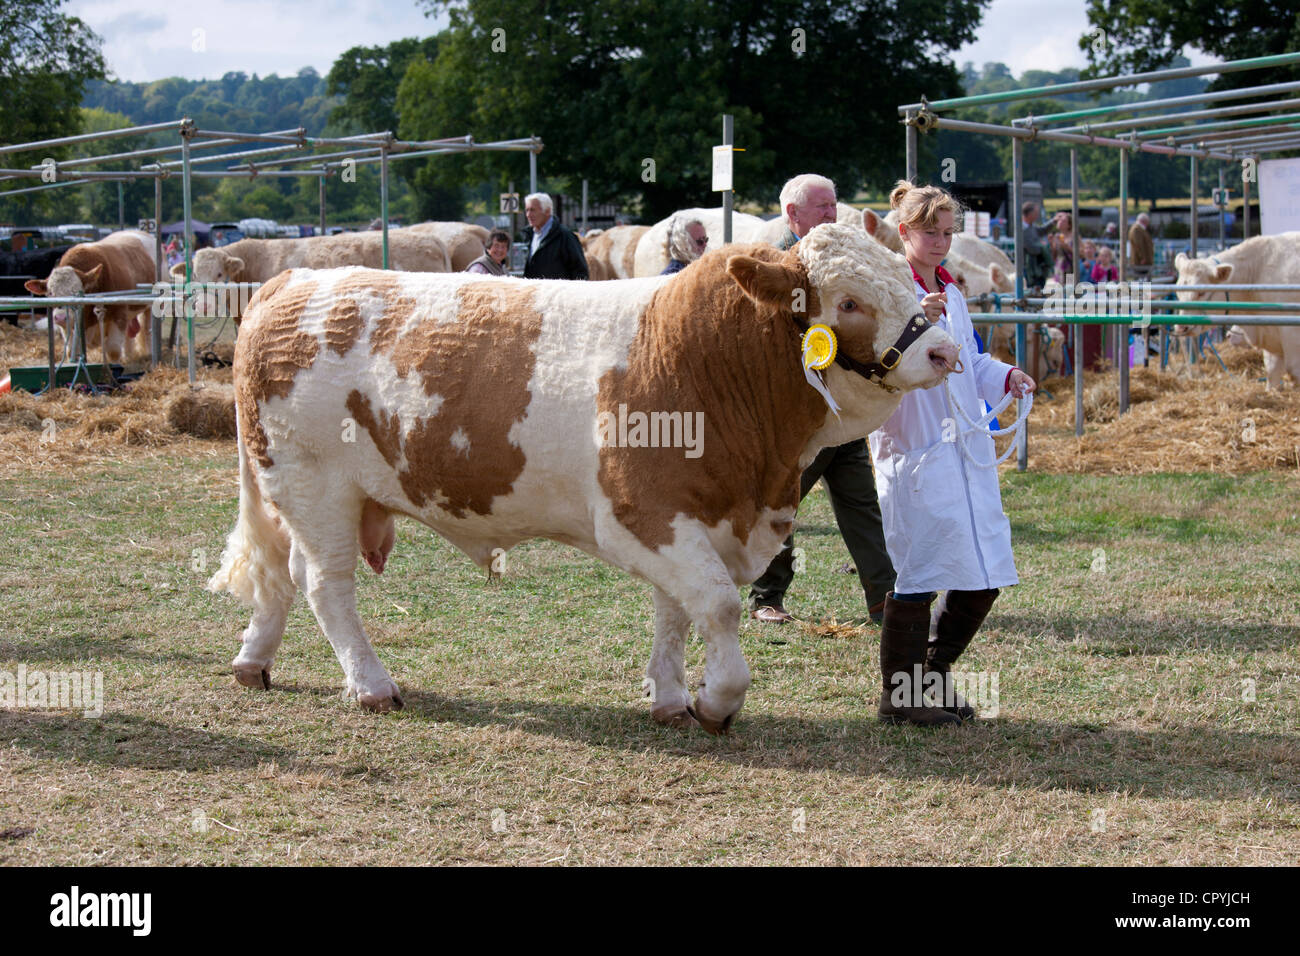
(147, 39)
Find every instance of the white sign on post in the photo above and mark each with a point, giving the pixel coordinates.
(722, 156)
(1279, 196)
(148, 225)
(509, 202)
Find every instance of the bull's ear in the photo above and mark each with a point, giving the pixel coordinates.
(234, 267)
(769, 282)
(997, 276)
(36, 287)
(1222, 272)
(1180, 261)
(870, 222)
(177, 271)
(90, 278)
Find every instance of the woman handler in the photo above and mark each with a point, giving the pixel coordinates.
(938, 486)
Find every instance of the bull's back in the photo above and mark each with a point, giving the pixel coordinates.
(472, 400)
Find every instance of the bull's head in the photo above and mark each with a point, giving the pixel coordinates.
(865, 294)
(67, 281)
(1200, 272)
(212, 265)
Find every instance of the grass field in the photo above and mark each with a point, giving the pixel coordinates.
(1152, 610)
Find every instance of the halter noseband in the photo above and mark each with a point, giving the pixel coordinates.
(876, 371)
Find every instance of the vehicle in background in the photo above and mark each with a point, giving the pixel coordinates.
(224, 233)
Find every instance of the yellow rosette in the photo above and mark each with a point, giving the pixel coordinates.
(819, 347)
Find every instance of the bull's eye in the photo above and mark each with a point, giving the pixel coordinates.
(848, 305)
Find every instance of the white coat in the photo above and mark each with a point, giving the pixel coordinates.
(944, 524)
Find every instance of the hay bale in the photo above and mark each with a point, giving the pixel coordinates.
(204, 411)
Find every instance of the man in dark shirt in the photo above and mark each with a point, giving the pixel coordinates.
(808, 201)
(553, 251)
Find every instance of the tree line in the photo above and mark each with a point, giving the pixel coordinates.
(626, 95)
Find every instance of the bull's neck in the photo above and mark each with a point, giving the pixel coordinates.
(1245, 265)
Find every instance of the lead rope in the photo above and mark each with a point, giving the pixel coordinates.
(983, 424)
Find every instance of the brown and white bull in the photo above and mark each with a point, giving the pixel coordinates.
(1271, 260)
(660, 424)
(117, 263)
(256, 260)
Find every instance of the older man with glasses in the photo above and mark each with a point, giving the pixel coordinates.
(808, 201)
(687, 241)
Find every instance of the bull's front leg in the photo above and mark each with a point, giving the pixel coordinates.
(670, 701)
(726, 675)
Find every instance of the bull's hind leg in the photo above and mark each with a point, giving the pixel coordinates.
(670, 701)
(323, 564)
(261, 639)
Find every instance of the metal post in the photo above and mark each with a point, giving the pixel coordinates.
(911, 146)
(1017, 198)
(121, 206)
(1245, 202)
(1075, 330)
(532, 171)
(189, 246)
(155, 326)
(584, 207)
(1122, 331)
(383, 198)
(728, 197)
(322, 205)
(1196, 213)
(514, 214)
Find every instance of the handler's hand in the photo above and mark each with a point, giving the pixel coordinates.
(933, 305)
(1019, 378)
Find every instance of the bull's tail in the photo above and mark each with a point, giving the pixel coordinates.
(255, 563)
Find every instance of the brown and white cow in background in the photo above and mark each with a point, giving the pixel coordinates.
(465, 242)
(503, 410)
(117, 263)
(256, 260)
(612, 252)
(1264, 260)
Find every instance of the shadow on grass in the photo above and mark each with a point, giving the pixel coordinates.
(1183, 763)
(1119, 635)
(127, 740)
(67, 651)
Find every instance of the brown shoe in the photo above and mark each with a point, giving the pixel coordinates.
(770, 614)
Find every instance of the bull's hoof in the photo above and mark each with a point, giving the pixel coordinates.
(717, 726)
(380, 705)
(679, 717)
(253, 675)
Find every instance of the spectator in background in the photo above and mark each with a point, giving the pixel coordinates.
(553, 251)
(1104, 270)
(1087, 252)
(493, 262)
(1141, 250)
(1038, 260)
(686, 242)
(1063, 246)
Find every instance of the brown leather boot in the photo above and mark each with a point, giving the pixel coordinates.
(904, 636)
(958, 616)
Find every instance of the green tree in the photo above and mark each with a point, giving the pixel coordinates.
(609, 86)
(1142, 35)
(46, 58)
